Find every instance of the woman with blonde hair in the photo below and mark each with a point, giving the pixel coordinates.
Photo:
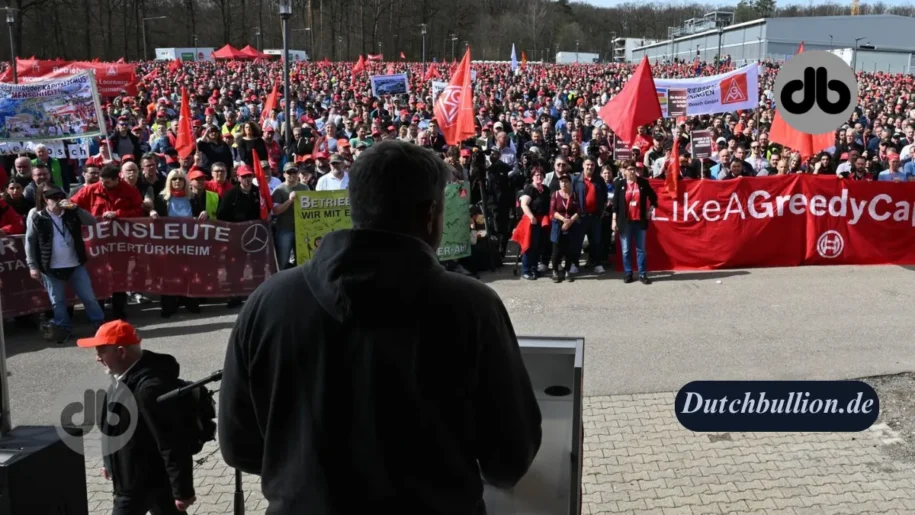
(175, 201)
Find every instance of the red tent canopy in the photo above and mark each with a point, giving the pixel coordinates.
(254, 53)
(230, 52)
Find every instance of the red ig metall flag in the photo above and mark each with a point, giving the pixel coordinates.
(454, 106)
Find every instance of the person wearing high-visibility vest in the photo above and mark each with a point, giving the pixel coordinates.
(204, 202)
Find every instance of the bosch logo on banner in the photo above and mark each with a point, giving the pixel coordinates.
(830, 244)
(734, 89)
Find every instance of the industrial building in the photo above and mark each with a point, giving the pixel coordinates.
(881, 42)
(623, 48)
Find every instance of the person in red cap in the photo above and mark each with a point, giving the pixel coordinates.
(153, 471)
(894, 172)
(204, 203)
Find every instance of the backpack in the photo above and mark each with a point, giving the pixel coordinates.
(198, 416)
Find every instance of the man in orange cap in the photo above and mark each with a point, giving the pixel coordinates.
(141, 482)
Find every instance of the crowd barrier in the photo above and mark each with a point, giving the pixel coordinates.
(787, 220)
(167, 256)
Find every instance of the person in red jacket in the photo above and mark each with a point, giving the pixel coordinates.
(111, 198)
(11, 222)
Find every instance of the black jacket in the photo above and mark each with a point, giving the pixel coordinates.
(647, 196)
(391, 400)
(134, 141)
(215, 153)
(238, 206)
(155, 455)
(40, 236)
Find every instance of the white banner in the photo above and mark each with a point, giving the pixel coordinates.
(437, 87)
(722, 93)
(57, 148)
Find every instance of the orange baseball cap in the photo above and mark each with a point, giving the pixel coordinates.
(117, 332)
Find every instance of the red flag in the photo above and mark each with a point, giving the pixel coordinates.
(375, 57)
(807, 144)
(151, 75)
(96, 60)
(174, 66)
(121, 61)
(359, 67)
(523, 59)
(270, 104)
(431, 73)
(672, 175)
(390, 70)
(326, 61)
(185, 144)
(522, 235)
(402, 56)
(454, 106)
(636, 105)
(263, 186)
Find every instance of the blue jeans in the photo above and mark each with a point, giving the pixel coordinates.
(285, 243)
(633, 232)
(531, 258)
(82, 286)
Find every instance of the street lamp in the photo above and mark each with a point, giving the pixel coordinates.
(854, 58)
(142, 29)
(423, 25)
(195, 47)
(10, 21)
(258, 38)
(453, 39)
(830, 42)
(720, 33)
(285, 9)
(613, 47)
(759, 47)
(576, 50)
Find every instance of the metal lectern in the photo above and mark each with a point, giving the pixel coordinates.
(552, 486)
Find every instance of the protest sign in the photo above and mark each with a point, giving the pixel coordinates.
(317, 214)
(52, 110)
(396, 84)
(701, 144)
(112, 78)
(721, 93)
(456, 236)
(437, 87)
(621, 151)
(167, 256)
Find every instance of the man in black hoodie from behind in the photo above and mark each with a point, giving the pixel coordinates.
(371, 378)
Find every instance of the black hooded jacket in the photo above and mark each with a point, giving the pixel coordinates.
(371, 378)
(156, 454)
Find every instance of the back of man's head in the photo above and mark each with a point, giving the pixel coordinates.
(399, 187)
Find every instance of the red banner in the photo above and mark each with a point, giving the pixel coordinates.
(787, 220)
(111, 78)
(167, 256)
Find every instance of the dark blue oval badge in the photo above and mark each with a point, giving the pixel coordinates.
(782, 406)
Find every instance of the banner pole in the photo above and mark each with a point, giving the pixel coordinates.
(5, 422)
(701, 169)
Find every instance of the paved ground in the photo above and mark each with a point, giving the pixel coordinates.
(802, 323)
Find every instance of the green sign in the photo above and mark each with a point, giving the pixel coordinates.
(317, 214)
(456, 237)
(187, 56)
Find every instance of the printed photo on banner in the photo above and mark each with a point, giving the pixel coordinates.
(721, 93)
(317, 214)
(51, 110)
(396, 84)
(456, 236)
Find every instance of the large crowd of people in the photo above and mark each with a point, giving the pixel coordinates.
(540, 154)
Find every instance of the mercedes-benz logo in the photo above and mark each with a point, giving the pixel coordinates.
(830, 244)
(254, 239)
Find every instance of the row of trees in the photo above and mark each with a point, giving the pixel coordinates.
(343, 29)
